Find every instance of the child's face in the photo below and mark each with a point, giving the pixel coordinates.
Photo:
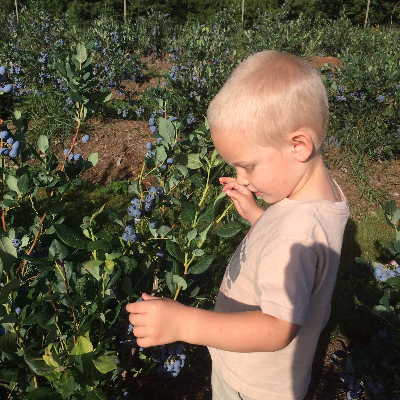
(267, 172)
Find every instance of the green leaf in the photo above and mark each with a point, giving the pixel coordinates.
(98, 244)
(81, 53)
(66, 384)
(394, 281)
(167, 131)
(390, 208)
(161, 155)
(127, 287)
(198, 252)
(191, 161)
(202, 265)
(197, 180)
(192, 234)
(23, 183)
(175, 250)
(92, 264)
(70, 237)
(82, 346)
(8, 254)
(92, 160)
(229, 229)
(42, 143)
(106, 363)
(58, 250)
(12, 183)
(7, 340)
(163, 230)
(188, 215)
(179, 281)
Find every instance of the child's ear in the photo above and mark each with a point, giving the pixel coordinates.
(302, 144)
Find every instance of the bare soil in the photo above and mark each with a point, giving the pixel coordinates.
(121, 147)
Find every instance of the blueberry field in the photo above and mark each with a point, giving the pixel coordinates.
(109, 188)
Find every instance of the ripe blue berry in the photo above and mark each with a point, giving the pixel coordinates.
(8, 88)
(4, 135)
(160, 253)
(170, 161)
(16, 145)
(153, 128)
(66, 151)
(18, 311)
(13, 153)
(163, 167)
(3, 70)
(10, 140)
(135, 202)
(134, 212)
(77, 156)
(71, 156)
(16, 242)
(160, 192)
(153, 223)
(148, 145)
(85, 138)
(129, 229)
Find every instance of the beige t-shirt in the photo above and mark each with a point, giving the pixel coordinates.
(286, 267)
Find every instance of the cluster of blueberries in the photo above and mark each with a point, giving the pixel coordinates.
(15, 145)
(384, 272)
(4, 86)
(122, 332)
(171, 359)
(76, 156)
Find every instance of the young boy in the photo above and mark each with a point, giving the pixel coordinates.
(268, 121)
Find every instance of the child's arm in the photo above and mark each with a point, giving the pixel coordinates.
(242, 198)
(159, 321)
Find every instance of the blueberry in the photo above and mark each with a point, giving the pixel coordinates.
(152, 121)
(149, 199)
(8, 88)
(148, 145)
(77, 156)
(129, 229)
(13, 153)
(160, 253)
(136, 202)
(66, 151)
(160, 192)
(153, 223)
(171, 119)
(10, 140)
(134, 212)
(153, 128)
(163, 167)
(16, 242)
(71, 156)
(16, 145)
(152, 189)
(85, 138)
(4, 135)
(170, 161)
(151, 154)
(3, 70)
(18, 311)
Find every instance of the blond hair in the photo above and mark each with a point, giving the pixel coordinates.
(271, 94)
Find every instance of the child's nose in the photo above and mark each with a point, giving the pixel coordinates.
(241, 179)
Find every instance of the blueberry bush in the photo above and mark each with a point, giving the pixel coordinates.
(373, 372)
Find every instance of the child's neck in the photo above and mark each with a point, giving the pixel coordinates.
(317, 184)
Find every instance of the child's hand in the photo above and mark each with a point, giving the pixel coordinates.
(242, 198)
(156, 320)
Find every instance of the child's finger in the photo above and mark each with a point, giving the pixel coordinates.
(226, 179)
(236, 187)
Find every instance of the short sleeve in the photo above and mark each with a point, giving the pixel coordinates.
(285, 280)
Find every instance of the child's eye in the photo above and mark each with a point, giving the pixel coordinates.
(250, 168)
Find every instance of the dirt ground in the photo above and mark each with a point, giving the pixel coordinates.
(121, 147)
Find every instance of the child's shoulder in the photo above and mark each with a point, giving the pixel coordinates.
(298, 219)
